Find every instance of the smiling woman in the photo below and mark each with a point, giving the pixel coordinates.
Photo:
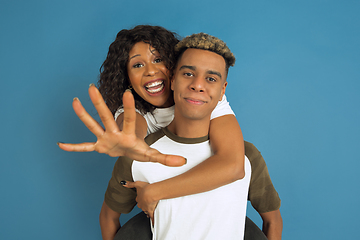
(149, 76)
(143, 48)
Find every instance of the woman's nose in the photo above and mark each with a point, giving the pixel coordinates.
(151, 69)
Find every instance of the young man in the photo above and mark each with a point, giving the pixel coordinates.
(262, 196)
(199, 82)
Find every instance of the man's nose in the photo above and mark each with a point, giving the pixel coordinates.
(198, 84)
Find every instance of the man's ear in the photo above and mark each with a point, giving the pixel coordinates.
(172, 82)
(223, 90)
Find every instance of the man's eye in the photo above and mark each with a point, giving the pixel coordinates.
(188, 74)
(210, 79)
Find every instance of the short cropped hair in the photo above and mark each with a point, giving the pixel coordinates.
(206, 42)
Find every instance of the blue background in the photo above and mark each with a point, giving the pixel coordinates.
(294, 89)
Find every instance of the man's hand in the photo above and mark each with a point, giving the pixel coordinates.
(143, 199)
(111, 140)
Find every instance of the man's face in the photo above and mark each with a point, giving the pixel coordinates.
(198, 83)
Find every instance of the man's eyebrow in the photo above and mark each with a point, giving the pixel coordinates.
(194, 68)
(136, 55)
(188, 67)
(214, 72)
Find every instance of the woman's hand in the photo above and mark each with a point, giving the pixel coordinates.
(111, 140)
(144, 199)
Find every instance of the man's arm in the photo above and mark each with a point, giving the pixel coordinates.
(272, 224)
(262, 194)
(109, 222)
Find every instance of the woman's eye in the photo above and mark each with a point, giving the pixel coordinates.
(137, 65)
(157, 60)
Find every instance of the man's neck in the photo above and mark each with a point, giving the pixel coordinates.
(188, 128)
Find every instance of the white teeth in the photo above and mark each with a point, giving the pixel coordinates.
(154, 84)
(155, 90)
(154, 87)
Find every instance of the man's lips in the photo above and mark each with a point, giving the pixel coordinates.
(195, 101)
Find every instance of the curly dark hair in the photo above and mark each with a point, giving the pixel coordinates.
(114, 78)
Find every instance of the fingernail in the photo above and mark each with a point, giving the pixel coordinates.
(123, 183)
(76, 99)
(91, 84)
(58, 143)
(185, 161)
(128, 90)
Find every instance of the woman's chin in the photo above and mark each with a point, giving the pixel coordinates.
(161, 101)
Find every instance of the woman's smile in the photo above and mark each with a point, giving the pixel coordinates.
(149, 76)
(155, 87)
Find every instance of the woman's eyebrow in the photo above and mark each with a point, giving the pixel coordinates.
(136, 55)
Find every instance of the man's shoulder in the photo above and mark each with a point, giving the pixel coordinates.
(153, 137)
(250, 150)
(254, 155)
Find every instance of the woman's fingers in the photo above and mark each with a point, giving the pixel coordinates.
(85, 117)
(77, 147)
(129, 122)
(104, 113)
(139, 185)
(142, 152)
(169, 160)
(151, 216)
(154, 155)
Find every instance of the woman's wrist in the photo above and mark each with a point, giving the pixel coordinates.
(152, 192)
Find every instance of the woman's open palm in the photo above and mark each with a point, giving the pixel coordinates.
(111, 140)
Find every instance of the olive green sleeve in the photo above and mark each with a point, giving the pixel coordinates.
(262, 194)
(117, 197)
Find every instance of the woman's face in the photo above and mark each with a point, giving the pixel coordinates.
(149, 76)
